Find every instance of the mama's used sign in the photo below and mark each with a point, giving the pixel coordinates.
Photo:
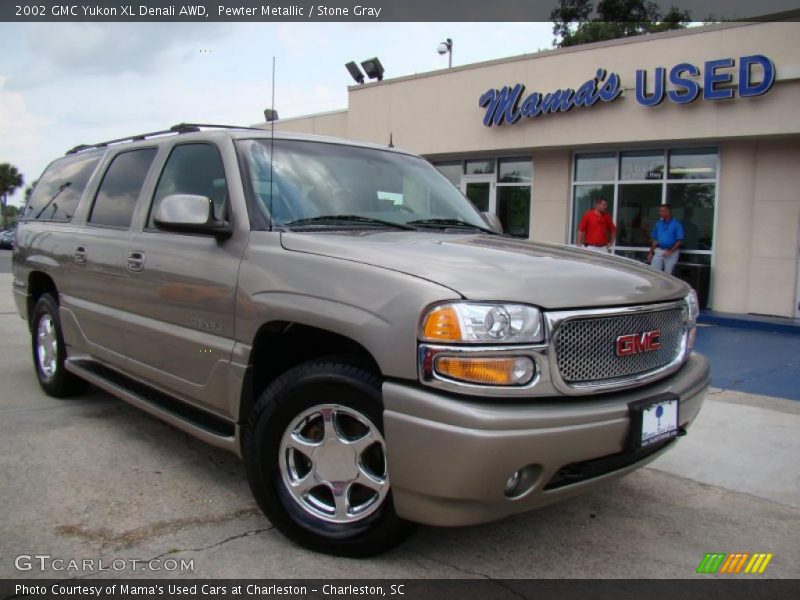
(510, 104)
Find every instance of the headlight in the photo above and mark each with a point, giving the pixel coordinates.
(483, 323)
(694, 306)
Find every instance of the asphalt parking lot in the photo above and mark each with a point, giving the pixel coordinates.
(93, 478)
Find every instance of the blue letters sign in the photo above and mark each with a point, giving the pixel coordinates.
(503, 106)
(507, 106)
(685, 90)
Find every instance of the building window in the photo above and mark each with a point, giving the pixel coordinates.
(696, 163)
(515, 170)
(503, 186)
(514, 209)
(636, 183)
(453, 170)
(595, 167)
(479, 167)
(641, 166)
(514, 190)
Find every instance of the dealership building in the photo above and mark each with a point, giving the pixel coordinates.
(706, 119)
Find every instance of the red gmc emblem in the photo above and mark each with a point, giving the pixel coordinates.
(634, 343)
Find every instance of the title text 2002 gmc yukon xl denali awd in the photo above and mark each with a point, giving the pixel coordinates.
(342, 318)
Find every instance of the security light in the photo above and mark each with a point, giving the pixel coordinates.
(373, 68)
(270, 115)
(355, 72)
(446, 47)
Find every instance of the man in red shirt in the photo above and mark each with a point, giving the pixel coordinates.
(596, 230)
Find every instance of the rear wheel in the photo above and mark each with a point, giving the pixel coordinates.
(49, 351)
(316, 460)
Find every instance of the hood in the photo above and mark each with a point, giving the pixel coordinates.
(487, 267)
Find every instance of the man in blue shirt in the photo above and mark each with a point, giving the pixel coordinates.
(667, 236)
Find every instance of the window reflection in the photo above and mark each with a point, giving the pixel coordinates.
(693, 163)
(595, 167)
(119, 191)
(638, 166)
(693, 205)
(638, 211)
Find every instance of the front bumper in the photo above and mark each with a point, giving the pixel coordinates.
(449, 459)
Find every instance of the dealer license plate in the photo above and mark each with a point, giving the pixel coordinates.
(654, 420)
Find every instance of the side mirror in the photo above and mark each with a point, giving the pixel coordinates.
(190, 214)
(493, 221)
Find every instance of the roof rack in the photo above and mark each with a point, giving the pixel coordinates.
(175, 129)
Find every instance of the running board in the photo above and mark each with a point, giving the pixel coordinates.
(209, 428)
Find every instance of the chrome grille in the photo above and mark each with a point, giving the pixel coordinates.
(586, 346)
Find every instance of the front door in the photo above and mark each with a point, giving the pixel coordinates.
(181, 287)
(480, 189)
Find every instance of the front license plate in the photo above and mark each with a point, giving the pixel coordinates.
(654, 420)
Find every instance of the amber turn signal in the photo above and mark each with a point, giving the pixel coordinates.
(441, 324)
(486, 370)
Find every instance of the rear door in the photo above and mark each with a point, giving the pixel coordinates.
(99, 256)
(180, 287)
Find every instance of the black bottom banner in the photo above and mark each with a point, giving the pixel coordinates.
(308, 589)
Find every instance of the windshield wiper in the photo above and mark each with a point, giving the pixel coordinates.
(347, 219)
(446, 223)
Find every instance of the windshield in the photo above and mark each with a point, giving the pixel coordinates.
(323, 185)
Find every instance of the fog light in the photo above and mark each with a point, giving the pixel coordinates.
(522, 482)
(486, 370)
(523, 370)
(512, 484)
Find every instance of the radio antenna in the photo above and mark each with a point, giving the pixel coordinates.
(272, 147)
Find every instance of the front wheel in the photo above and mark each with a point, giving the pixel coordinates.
(316, 460)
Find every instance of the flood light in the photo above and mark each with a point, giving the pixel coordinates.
(373, 68)
(355, 72)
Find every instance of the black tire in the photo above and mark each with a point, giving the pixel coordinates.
(58, 382)
(299, 391)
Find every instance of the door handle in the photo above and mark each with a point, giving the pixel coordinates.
(79, 255)
(136, 261)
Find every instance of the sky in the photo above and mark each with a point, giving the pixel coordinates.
(63, 84)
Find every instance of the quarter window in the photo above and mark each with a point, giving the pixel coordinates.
(194, 169)
(56, 195)
(119, 191)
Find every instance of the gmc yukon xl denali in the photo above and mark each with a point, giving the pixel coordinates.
(344, 320)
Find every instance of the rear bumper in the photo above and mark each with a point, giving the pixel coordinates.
(449, 459)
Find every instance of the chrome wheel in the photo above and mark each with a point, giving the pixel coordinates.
(333, 463)
(47, 346)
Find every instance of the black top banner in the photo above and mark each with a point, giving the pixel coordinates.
(350, 10)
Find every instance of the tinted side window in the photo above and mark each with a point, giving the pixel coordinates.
(56, 195)
(193, 169)
(120, 188)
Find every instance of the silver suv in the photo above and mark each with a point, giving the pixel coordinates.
(343, 319)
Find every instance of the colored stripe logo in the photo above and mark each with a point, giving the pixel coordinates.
(734, 563)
